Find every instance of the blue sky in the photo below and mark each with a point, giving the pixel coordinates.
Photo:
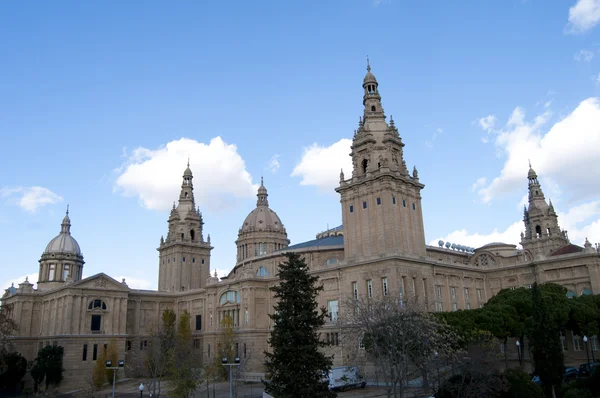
(102, 103)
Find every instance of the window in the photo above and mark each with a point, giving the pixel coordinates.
(361, 343)
(211, 320)
(454, 307)
(466, 293)
(370, 288)
(577, 343)
(97, 304)
(414, 207)
(84, 352)
(479, 294)
(355, 290)
(198, 322)
(351, 209)
(331, 261)
(95, 352)
(438, 306)
(378, 201)
(453, 293)
(246, 317)
(563, 340)
(438, 291)
(208, 350)
(468, 306)
(364, 205)
(384, 283)
(393, 200)
(183, 259)
(202, 261)
(197, 344)
(332, 310)
(128, 345)
(403, 203)
(96, 322)
(230, 297)
(52, 272)
(193, 260)
(594, 343)
(244, 350)
(66, 271)
(262, 272)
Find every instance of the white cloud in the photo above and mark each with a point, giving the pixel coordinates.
(7, 283)
(30, 199)
(274, 164)
(320, 166)
(581, 222)
(583, 56)
(583, 16)
(487, 123)
(436, 133)
(136, 283)
(481, 181)
(561, 157)
(154, 176)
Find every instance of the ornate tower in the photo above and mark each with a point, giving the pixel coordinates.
(381, 203)
(184, 257)
(62, 261)
(262, 232)
(542, 232)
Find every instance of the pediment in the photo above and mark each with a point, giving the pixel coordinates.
(100, 281)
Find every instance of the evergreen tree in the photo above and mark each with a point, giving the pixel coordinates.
(48, 365)
(547, 353)
(296, 367)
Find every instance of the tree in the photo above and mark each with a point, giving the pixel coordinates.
(100, 373)
(48, 366)
(112, 355)
(7, 328)
(13, 369)
(225, 346)
(159, 353)
(547, 352)
(296, 367)
(520, 385)
(395, 335)
(185, 377)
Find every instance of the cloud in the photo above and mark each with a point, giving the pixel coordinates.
(30, 199)
(583, 16)
(561, 157)
(481, 181)
(583, 56)
(320, 166)
(154, 176)
(274, 164)
(487, 123)
(436, 133)
(7, 283)
(581, 222)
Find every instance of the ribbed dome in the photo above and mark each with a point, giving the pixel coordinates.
(262, 219)
(369, 77)
(64, 242)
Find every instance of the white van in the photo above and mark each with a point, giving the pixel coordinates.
(344, 377)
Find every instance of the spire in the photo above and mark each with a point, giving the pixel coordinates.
(371, 97)
(368, 65)
(65, 226)
(262, 194)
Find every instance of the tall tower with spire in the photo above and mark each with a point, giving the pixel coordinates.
(542, 232)
(184, 256)
(381, 203)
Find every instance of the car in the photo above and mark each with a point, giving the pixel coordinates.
(585, 370)
(570, 374)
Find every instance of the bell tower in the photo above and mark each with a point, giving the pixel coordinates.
(542, 232)
(381, 202)
(184, 257)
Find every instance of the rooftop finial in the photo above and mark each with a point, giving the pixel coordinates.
(368, 65)
(529, 162)
(67, 210)
(261, 181)
(188, 161)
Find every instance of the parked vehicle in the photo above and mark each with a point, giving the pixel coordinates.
(585, 371)
(344, 377)
(570, 374)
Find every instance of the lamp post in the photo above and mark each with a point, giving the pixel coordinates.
(141, 389)
(109, 366)
(587, 353)
(437, 364)
(519, 353)
(224, 362)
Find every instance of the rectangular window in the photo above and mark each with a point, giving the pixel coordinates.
(246, 317)
(183, 259)
(351, 209)
(577, 343)
(454, 307)
(403, 203)
(193, 260)
(95, 352)
(202, 261)
(52, 272)
(393, 200)
(438, 306)
(466, 293)
(401, 287)
(355, 290)
(384, 285)
(453, 293)
(479, 294)
(208, 350)
(211, 319)
(128, 345)
(594, 343)
(84, 358)
(370, 288)
(414, 207)
(563, 340)
(378, 201)
(438, 291)
(332, 310)
(197, 344)
(96, 322)
(364, 205)
(468, 306)
(244, 350)
(66, 271)
(198, 322)
(361, 343)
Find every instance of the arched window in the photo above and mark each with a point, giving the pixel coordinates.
(262, 272)
(365, 164)
(192, 234)
(229, 297)
(373, 108)
(331, 261)
(97, 304)
(538, 231)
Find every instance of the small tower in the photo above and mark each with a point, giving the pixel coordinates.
(543, 235)
(381, 203)
(62, 260)
(184, 256)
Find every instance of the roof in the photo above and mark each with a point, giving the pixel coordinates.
(568, 249)
(323, 242)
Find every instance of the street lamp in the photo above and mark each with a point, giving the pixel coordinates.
(437, 364)
(585, 343)
(109, 365)
(141, 389)
(519, 353)
(224, 362)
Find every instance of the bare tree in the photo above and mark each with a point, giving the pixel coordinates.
(159, 353)
(394, 336)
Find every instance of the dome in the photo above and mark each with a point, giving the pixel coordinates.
(64, 242)
(262, 218)
(531, 175)
(369, 77)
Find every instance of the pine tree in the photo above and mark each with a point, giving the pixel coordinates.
(547, 353)
(296, 367)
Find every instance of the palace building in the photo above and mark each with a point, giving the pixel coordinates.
(379, 248)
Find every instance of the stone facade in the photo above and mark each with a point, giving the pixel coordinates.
(380, 249)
